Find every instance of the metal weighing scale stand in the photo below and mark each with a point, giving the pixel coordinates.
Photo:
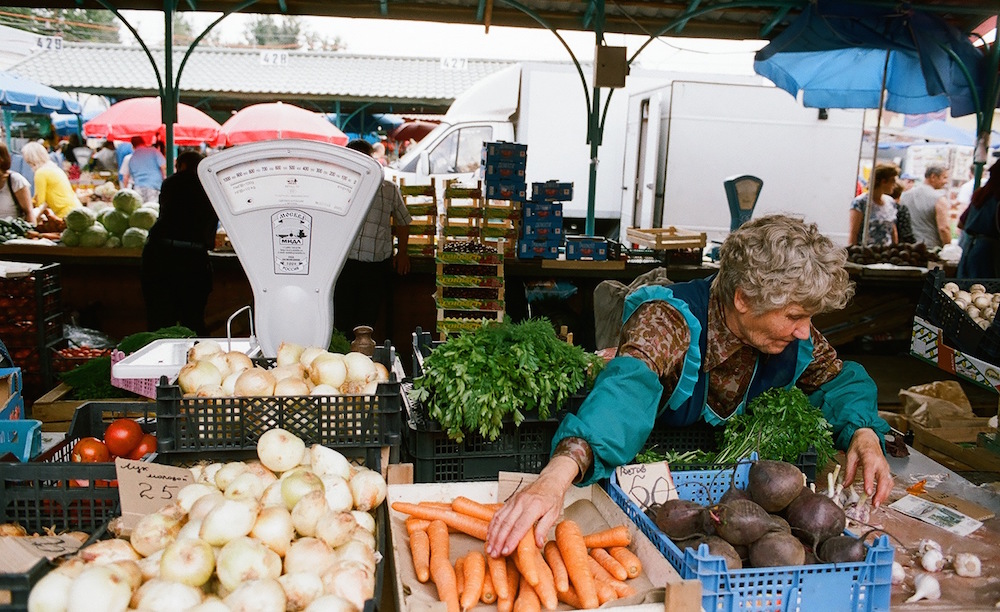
(292, 209)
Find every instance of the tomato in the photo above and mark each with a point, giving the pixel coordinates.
(90, 450)
(122, 436)
(146, 445)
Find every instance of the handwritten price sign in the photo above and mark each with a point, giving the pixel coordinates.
(146, 487)
(647, 484)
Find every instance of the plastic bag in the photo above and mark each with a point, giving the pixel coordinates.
(936, 404)
(85, 337)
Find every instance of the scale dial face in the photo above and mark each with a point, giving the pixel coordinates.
(288, 182)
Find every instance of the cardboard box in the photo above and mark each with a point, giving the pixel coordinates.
(927, 343)
(589, 506)
(552, 191)
(11, 400)
(538, 249)
(550, 229)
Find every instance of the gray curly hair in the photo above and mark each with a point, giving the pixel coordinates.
(778, 260)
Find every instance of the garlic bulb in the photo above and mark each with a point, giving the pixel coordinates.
(967, 565)
(927, 587)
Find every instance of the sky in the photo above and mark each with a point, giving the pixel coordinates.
(426, 39)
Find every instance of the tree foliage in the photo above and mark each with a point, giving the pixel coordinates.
(273, 31)
(75, 25)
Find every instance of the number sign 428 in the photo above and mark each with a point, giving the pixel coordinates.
(49, 43)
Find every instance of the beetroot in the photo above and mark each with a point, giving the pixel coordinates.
(842, 549)
(733, 493)
(777, 549)
(740, 521)
(774, 484)
(680, 518)
(720, 548)
(814, 518)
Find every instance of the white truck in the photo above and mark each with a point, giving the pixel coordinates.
(702, 132)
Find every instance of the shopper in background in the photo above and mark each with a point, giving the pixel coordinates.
(53, 190)
(176, 272)
(365, 283)
(904, 227)
(882, 219)
(105, 159)
(122, 152)
(981, 227)
(15, 191)
(701, 351)
(147, 168)
(930, 209)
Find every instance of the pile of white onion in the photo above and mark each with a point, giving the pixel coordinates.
(298, 370)
(979, 304)
(292, 531)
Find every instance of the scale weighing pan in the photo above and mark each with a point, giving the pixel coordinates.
(166, 356)
(292, 209)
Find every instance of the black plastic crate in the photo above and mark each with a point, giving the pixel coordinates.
(91, 419)
(423, 344)
(233, 424)
(960, 331)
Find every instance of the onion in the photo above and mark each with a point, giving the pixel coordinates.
(327, 461)
(51, 593)
(190, 531)
(352, 582)
(238, 361)
(209, 472)
(257, 596)
(159, 595)
(256, 467)
(362, 535)
(310, 353)
(272, 496)
(289, 353)
(298, 485)
(211, 391)
(280, 450)
(274, 527)
(189, 562)
(254, 382)
(192, 493)
(331, 603)
(329, 369)
(335, 528)
(381, 372)
(229, 383)
(228, 473)
(291, 386)
(229, 520)
(309, 509)
(301, 588)
(338, 493)
(308, 555)
(356, 552)
(359, 387)
(360, 367)
(129, 571)
(210, 604)
(204, 504)
(368, 489)
(202, 349)
(247, 486)
(245, 559)
(365, 520)
(198, 374)
(109, 551)
(220, 362)
(322, 389)
(290, 370)
(154, 531)
(150, 566)
(98, 587)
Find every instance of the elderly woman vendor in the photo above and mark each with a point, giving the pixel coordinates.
(702, 350)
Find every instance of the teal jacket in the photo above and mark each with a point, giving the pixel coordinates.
(628, 399)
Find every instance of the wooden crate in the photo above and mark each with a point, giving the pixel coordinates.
(957, 447)
(666, 238)
(55, 409)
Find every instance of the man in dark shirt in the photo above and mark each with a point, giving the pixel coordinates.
(176, 274)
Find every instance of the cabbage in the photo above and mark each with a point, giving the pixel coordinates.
(80, 218)
(113, 241)
(154, 205)
(115, 221)
(127, 200)
(143, 217)
(134, 238)
(94, 236)
(70, 238)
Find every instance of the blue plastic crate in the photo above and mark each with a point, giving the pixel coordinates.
(586, 247)
(13, 407)
(542, 210)
(831, 587)
(550, 229)
(552, 191)
(21, 438)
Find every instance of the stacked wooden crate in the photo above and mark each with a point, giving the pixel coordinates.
(470, 285)
(422, 204)
(469, 215)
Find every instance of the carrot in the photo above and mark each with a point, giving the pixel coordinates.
(506, 604)
(460, 576)
(601, 575)
(569, 598)
(609, 563)
(555, 561)
(613, 536)
(527, 600)
(471, 508)
(574, 555)
(498, 574)
(526, 558)
(475, 575)
(628, 559)
(442, 571)
(415, 524)
(420, 550)
(546, 588)
(489, 595)
(466, 524)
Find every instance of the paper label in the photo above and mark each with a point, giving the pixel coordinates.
(647, 484)
(146, 487)
(19, 554)
(936, 514)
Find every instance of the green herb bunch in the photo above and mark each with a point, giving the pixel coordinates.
(477, 381)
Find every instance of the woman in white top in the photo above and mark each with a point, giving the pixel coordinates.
(15, 191)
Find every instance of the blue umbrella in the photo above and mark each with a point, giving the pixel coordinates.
(838, 54)
(20, 94)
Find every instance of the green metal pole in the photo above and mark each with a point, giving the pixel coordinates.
(594, 131)
(168, 103)
(6, 127)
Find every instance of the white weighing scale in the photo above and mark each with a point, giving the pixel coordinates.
(292, 209)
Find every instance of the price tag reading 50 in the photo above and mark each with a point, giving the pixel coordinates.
(647, 484)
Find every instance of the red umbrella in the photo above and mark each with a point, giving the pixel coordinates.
(143, 117)
(412, 129)
(276, 120)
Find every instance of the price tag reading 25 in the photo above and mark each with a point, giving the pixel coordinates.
(647, 484)
(146, 487)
